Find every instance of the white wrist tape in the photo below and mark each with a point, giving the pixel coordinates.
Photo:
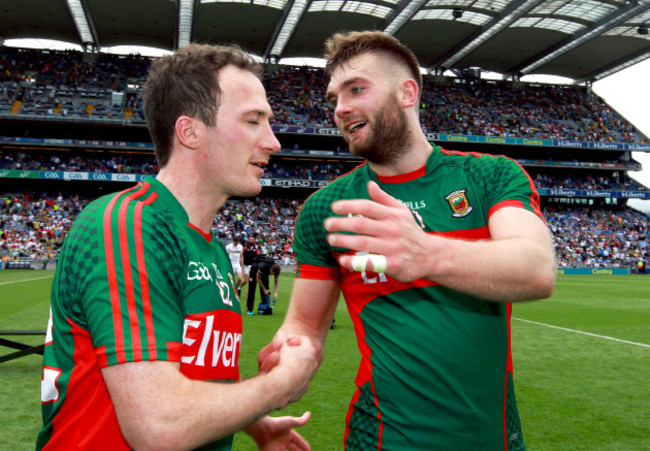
(378, 261)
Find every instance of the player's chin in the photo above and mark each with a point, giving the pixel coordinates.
(251, 189)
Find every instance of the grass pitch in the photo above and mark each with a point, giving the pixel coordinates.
(582, 365)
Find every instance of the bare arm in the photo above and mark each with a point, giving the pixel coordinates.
(310, 314)
(158, 407)
(276, 282)
(517, 263)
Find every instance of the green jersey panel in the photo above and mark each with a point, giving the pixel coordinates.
(135, 281)
(436, 365)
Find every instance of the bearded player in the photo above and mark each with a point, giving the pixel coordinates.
(429, 248)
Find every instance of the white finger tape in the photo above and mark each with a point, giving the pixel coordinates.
(378, 261)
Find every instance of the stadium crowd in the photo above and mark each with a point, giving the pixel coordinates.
(278, 168)
(599, 238)
(67, 84)
(42, 82)
(33, 227)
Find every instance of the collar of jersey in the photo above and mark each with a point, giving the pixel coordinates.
(167, 198)
(402, 178)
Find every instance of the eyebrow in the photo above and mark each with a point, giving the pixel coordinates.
(260, 114)
(345, 84)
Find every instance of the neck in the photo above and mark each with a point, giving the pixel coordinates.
(412, 159)
(200, 205)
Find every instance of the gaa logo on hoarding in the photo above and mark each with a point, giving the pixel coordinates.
(24, 174)
(51, 175)
(122, 177)
(98, 176)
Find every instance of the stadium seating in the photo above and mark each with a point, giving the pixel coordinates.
(68, 86)
(63, 84)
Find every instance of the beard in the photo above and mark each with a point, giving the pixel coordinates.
(388, 136)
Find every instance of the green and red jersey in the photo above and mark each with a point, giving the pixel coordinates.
(135, 282)
(436, 368)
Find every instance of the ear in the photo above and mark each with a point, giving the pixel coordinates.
(409, 92)
(187, 131)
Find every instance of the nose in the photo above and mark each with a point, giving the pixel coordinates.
(342, 108)
(271, 143)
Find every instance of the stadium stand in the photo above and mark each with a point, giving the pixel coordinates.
(63, 84)
(98, 144)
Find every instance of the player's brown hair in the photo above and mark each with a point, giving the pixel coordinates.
(186, 83)
(341, 47)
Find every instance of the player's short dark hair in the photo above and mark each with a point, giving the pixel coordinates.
(275, 270)
(342, 47)
(186, 83)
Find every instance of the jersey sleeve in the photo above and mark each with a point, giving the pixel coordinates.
(511, 186)
(128, 267)
(310, 238)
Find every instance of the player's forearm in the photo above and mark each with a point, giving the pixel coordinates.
(509, 269)
(174, 412)
(311, 310)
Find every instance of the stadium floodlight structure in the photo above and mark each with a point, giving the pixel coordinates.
(610, 21)
(185, 19)
(402, 15)
(507, 16)
(285, 28)
(83, 23)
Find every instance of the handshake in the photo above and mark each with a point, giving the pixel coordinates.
(291, 362)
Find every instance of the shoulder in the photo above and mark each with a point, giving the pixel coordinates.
(482, 165)
(470, 158)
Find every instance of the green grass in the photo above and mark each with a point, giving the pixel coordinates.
(575, 391)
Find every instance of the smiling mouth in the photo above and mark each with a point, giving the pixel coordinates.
(356, 127)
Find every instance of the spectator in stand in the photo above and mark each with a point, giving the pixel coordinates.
(63, 81)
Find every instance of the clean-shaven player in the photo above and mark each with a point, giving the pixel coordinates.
(144, 339)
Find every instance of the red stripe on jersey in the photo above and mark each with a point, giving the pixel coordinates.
(364, 375)
(128, 275)
(207, 236)
(86, 419)
(112, 276)
(480, 233)
(100, 355)
(503, 204)
(355, 398)
(317, 272)
(174, 351)
(402, 178)
(144, 281)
